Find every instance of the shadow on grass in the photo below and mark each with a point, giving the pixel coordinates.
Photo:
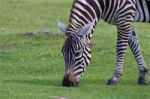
(102, 82)
(52, 82)
(83, 82)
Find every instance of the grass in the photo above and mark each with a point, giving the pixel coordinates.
(32, 67)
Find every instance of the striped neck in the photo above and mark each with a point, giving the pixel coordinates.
(83, 12)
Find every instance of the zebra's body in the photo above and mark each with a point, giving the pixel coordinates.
(142, 11)
(121, 13)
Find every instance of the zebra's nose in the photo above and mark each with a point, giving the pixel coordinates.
(69, 81)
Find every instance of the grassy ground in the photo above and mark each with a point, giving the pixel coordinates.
(32, 67)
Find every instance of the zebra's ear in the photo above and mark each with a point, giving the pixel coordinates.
(86, 29)
(61, 26)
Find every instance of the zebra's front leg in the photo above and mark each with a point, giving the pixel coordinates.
(135, 48)
(122, 42)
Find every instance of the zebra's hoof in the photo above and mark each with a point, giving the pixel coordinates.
(111, 82)
(142, 81)
(69, 81)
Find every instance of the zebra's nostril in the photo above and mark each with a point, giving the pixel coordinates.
(70, 83)
(67, 82)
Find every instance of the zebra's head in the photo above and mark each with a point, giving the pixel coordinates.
(76, 52)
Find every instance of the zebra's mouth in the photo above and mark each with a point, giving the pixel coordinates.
(69, 80)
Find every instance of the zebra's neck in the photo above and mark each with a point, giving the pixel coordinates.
(83, 12)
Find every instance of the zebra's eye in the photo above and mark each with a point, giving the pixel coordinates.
(77, 53)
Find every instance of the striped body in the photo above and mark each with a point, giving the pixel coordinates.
(121, 13)
(142, 11)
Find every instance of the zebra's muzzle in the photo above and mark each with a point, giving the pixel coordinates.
(69, 80)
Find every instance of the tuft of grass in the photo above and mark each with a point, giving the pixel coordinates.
(32, 67)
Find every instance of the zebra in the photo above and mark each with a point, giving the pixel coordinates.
(84, 16)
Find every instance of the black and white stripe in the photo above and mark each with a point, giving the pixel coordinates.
(142, 11)
(76, 55)
(121, 13)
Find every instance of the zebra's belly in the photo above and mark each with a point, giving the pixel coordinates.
(112, 21)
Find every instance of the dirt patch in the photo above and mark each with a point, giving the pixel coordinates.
(45, 31)
(5, 46)
(58, 97)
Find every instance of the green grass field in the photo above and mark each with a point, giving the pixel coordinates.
(33, 67)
